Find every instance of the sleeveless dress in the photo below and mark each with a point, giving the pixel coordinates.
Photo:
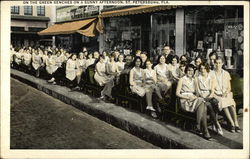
(188, 90)
(204, 86)
(71, 69)
(163, 72)
(50, 65)
(27, 59)
(174, 70)
(101, 77)
(81, 66)
(137, 78)
(149, 75)
(36, 61)
(222, 82)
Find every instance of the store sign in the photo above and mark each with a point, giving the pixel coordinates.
(75, 12)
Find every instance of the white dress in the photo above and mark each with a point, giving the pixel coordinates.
(188, 89)
(101, 77)
(50, 65)
(18, 58)
(81, 66)
(204, 85)
(27, 58)
(71, 69)
(137, 78)
(222, 83)
(120, 66)
(36, 61)
(149, 76)
(163, 73)
(174, 70)
(89, 62)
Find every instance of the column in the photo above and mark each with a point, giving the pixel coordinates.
(180, 32)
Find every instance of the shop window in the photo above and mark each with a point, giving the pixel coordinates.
(40, 10)
(14, 10)
(28, 10)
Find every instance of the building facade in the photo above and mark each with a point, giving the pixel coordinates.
(27, 21)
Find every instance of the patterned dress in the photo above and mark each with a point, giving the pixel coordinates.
(222, 83)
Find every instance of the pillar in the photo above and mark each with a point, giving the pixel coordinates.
(180, 32)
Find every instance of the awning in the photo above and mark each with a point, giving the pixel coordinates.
(96, 26)
(66, 28)
(136, 10)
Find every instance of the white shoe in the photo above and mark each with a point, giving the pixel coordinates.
(219, 130)
(150, 108)
(51, 80)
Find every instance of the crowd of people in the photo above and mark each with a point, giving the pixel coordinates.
(203, 86)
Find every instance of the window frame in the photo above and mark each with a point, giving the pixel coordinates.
(39, 10)
(15, 9)
(26, 10)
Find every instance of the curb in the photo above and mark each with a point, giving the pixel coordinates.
(154, 131)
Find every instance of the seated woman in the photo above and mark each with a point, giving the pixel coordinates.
(224, 95)
(26, 61)
(37, 62)
(102, 78)
(81, 67)
(17, 59)
(150, 79)
(106, 56)
(189, 101)
(205, 89)
(71, 69)
(181, 69)
(163, 75)
(137, 85)
(51, 67)
(174, 68)
(90, 60)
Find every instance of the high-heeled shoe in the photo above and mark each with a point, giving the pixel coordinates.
(237, 129)
(207, 137)
(219, 129)
(232, 130)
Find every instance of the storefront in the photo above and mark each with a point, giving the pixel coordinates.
(138, 28)
(186, 29)
(76, 27)
(216, 28)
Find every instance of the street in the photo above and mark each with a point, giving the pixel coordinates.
(39, 121)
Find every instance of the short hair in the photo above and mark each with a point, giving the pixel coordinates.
(213, 53)
(183, 63)
(189, 66)
(175, 57)
(158, 60)
(220, 58)
(206, 65)
(135, 59)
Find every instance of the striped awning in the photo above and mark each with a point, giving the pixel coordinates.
(136, 10)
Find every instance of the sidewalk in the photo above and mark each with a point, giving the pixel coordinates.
(156, 132)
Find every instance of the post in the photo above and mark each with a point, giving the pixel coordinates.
(180, 32)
